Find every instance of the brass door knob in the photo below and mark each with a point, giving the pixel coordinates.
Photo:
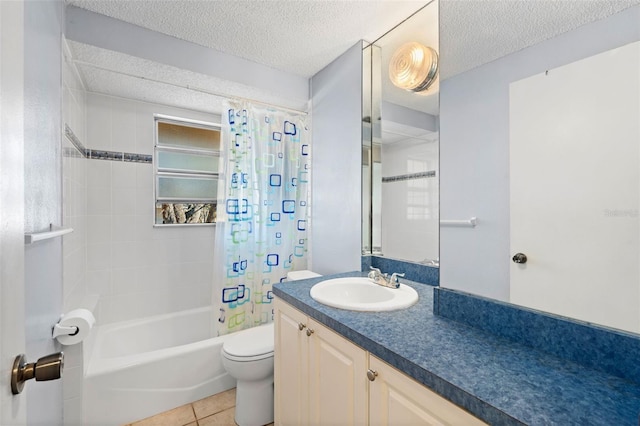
(301, 326)
(309, 331)
(46, 368)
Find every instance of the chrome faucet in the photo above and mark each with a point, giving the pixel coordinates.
(384, 280)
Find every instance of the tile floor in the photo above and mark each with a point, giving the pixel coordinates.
(217, 409)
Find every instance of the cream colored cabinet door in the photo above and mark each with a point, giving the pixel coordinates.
(338, 384)
(320, 377)
(396, 399)
(291, 377)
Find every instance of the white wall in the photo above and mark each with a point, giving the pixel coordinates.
(138, 270)
(337, 164)
(474, 150)
(43, 195)
(74, 245)
(74, 182)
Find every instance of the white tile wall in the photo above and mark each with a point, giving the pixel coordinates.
(115, 252)
(406, 235)
(74, 195)
(137, 269)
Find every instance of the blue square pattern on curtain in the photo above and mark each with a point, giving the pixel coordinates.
(263, 211)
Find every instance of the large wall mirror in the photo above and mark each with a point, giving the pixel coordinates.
(543, 146)
(400, 200)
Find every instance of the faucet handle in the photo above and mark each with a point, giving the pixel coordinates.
(394, 277)
(375, 272)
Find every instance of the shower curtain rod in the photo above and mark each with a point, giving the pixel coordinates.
(189, 87)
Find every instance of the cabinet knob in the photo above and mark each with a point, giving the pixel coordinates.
(301, 326)
(309, 331)
(372, 374)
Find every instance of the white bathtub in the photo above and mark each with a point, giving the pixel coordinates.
(143, 367)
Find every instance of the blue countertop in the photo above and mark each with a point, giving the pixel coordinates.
(499, 381)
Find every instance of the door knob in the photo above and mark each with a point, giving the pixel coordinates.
(301, 326)
(519, 258)
(309, 331)
(46, 368)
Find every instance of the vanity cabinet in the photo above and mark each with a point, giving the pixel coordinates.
(396, 399)
(319, 375)
(321, 378)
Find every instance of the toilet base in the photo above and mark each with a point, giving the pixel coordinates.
(254, 402)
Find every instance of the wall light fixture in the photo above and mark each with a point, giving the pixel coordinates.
(413, 67)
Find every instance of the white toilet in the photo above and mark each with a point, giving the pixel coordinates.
(248, 357)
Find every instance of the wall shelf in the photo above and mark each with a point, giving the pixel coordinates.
(53, 232)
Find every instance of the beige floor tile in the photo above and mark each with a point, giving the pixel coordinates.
(223, 418)
(177, 417)
(215, 404)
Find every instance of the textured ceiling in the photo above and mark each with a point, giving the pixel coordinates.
(303, 36)
(118, 74)
(300, 37)
(475, 32)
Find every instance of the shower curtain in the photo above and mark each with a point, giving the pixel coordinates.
(263, 210)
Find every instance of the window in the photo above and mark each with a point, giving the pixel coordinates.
(186, 160)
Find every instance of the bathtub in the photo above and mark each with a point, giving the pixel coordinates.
(146, 366)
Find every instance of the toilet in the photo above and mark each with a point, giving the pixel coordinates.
(248, 357)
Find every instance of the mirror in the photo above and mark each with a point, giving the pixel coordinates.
(548, 160)
(400, 149)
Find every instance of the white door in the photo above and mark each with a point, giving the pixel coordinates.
(12, 322)
(575, 187)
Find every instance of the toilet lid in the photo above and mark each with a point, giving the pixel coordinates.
(251, 343)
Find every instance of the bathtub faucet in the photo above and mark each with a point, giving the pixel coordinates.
(384, 280)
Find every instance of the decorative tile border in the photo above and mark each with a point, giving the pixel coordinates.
(96, 154)
(72, 152)
(75, 141)
(410, 176)
(612, 351)
(137, 158)
(413, 271)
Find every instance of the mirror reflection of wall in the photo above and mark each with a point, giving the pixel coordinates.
(400, 150)
(480, 123)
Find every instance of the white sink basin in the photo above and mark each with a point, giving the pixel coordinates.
(361, 294)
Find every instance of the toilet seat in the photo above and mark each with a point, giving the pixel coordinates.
(250, 345)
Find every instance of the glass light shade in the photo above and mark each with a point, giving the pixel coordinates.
(413, 67)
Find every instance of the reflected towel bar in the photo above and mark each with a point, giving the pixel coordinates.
(471, 223)
(54, 231)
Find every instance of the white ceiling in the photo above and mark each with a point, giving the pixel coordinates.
(303, 36)
(300, 37)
